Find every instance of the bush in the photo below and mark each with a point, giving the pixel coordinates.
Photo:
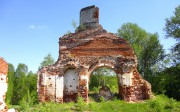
(161, 102)
(81, 105)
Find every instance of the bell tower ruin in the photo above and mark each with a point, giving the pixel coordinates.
(89, 16)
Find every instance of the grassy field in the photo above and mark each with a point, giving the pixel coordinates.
(159, 104)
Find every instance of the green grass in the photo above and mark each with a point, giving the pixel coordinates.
(160, 103)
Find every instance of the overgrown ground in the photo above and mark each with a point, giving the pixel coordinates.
(160, 103)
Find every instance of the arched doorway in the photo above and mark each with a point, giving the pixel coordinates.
(103, 83)
(71, 82)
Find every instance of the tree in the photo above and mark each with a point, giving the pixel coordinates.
(20, 88)
(167, 82)
(48, 60)
(173, 25)
(30, 96)
(151, 54)
(11, 77)
(172, 29)
(135, 35)
(103, 76)
(146, 46)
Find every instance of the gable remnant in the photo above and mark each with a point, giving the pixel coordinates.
(81, 53)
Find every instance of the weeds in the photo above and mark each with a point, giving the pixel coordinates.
(81, 105)
(160, 103)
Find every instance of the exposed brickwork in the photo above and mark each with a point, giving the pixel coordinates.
(83, 52)
(3, 84)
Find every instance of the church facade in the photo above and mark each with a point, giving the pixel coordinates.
(82, 52)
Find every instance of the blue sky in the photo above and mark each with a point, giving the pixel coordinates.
(30, 29)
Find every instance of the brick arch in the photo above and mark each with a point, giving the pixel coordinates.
(67, 67)
(108, 64)
(104, 67)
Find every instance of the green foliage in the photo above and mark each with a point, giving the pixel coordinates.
(68, 32)
(20, 81)
(21, 70)
(31, 82)
(172, 29)
(21, 86)
(81, 27)
(160, 103)
(152, 53)
(81, 105)
(102, 99)
(146, 46)
(173, 24)
(11, 77)
(48, 60)
(95, 89)
(167, 82)
(74, 24)
(135, 35)
(103, 76)
(50, 107)
(26, 102)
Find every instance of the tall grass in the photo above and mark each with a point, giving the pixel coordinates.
(160, 103)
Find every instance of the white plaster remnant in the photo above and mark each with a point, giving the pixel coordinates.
(85, 77)
(44, 79)
(3, 84)
(3, 90)
(12, 110)
(59, 87)
(50, 85)
(127, 79)
(71, 80)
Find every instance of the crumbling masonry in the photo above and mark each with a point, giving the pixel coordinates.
(3, 84)
(80, 53)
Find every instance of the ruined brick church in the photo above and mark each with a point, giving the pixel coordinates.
(82, 52)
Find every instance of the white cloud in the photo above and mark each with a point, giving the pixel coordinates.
(37, 27)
